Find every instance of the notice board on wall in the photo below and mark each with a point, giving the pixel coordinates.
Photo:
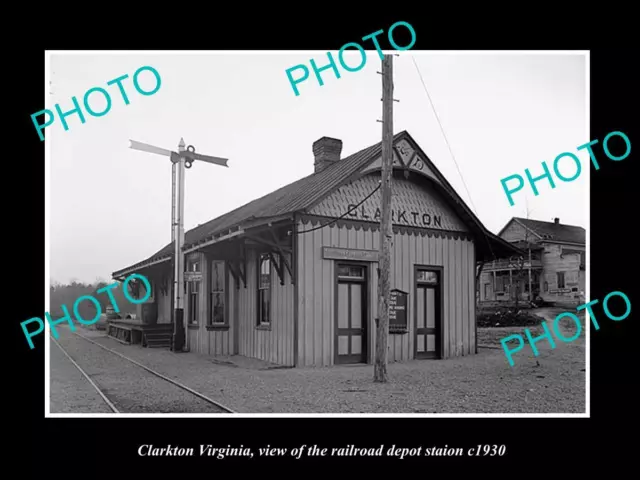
(398, 308)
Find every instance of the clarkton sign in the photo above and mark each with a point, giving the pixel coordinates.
(402, 217)
(410, 206)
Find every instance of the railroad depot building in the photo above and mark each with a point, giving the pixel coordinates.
(557, 264)
(291, 278)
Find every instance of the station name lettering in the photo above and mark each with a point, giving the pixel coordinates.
(398, 217)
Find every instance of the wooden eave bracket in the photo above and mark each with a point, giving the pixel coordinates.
(238, 268)
(280, 247)
(283, 257)
(277, 267)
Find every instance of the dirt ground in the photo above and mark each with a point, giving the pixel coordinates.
(553, 382)
(491, 336)
(70, 391)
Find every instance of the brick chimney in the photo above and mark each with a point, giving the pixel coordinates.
(556, 220)
(326, 152)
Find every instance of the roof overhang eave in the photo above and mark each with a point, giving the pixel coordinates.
(498, 248)
(121, 274)
(236, 231)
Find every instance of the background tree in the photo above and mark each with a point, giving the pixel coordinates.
(518, 263)
(67, 294)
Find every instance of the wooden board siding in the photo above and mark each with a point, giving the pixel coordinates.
(553, 261)
(276, 344)
(430, 209)
(418, 240)
(164, 303)
(515, 231)
(316, 290)
(159, 278)
(207, 341)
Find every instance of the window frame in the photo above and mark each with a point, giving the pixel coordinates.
(558, 276)
(262, 257)
(193, 312)
(193, 265)
(224, 325)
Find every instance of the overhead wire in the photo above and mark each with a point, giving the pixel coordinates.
(341, 216)
(452, 156)
(433, 107)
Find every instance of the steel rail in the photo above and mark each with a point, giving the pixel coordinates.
(174, 382)
(104, 397)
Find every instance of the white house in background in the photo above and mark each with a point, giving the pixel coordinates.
(557, 263)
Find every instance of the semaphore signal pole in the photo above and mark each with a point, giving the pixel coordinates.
(386, 231)
(180, 160)
(179, 332)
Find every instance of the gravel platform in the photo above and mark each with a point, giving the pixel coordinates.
(70, 391)
(130, 388)
(553, 382)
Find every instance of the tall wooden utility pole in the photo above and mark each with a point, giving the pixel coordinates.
(386, 231)
(180, 160)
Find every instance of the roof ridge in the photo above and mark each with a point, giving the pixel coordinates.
(299, 195)
(548, 223)
(333, 173)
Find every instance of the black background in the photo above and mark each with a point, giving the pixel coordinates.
(88, 447)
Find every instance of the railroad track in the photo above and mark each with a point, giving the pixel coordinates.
(85, 375)
(144, 367)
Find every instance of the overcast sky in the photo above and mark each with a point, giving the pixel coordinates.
(111, 206)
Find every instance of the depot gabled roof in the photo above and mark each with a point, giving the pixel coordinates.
(302, 194)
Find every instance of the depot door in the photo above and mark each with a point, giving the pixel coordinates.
(428, 310)
(351, 314)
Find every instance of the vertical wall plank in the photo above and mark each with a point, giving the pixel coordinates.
(458, 297)
(373, 304)
(317, 298)
(451, 294)
(327, 303)
(411, 316)
(406, 286)
(307, 329)
(472, 287)
(464, 297)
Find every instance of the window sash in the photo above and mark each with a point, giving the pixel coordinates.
(218, 276)
(427, 276)
(217, 294)
(350, 271)
(193, 307)
(264, 307)
(218, 310)
(264, 290)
